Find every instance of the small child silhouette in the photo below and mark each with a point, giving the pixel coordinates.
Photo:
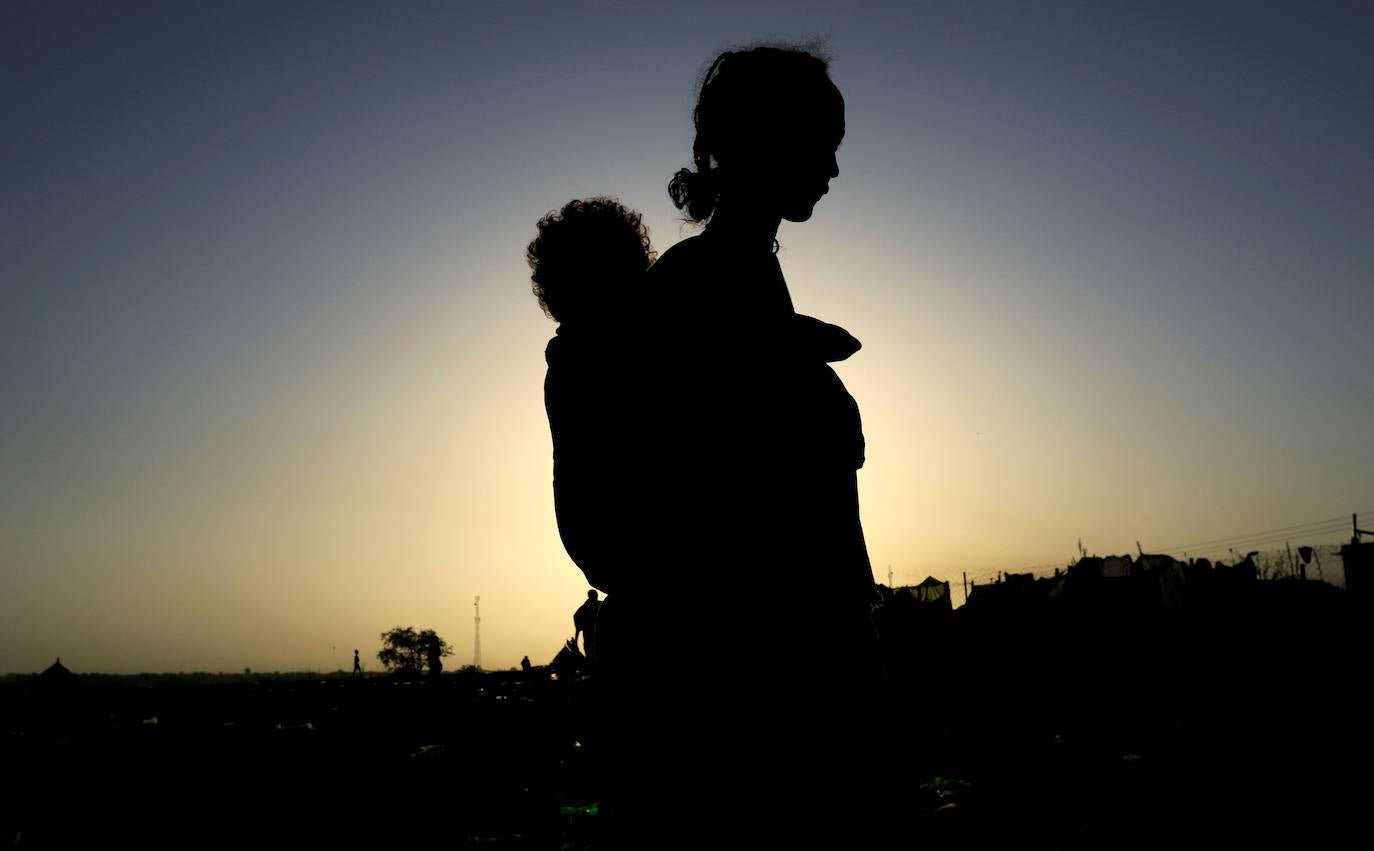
(589, 257)
(586, 259)
(589, 264)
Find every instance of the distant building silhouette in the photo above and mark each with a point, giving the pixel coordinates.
(56, 675)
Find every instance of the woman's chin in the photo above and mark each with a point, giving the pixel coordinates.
(800, 213)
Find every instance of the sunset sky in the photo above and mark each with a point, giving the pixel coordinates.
(271, 372)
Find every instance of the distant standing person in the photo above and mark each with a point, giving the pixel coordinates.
(584, 624)
(357, 665)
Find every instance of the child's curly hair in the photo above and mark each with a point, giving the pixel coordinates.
(583, 253)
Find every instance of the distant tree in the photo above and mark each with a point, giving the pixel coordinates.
(405, 650)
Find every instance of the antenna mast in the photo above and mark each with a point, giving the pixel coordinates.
(477, 641)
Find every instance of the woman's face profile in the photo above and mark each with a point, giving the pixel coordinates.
(810, 160)
(791, 162)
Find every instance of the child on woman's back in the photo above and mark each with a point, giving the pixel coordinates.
(588, 264)
(587, 267)
(586, 261)
(589, 258)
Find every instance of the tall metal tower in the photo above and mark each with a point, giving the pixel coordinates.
(477, 641)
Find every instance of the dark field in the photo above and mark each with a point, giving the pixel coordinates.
(1101, 727)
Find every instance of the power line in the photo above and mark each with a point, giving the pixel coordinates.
(1315, 527)
(1257, 544)
(1283, 530)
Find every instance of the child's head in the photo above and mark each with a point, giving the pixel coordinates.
(586, 257)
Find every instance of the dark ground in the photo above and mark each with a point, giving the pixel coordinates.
(1034, 728)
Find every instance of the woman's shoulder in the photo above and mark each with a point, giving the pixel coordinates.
(701, 275)
(682, 258)
(681, 285)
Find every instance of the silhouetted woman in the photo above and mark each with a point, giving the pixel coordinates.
(740, 649)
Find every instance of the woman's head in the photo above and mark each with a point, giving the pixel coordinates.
(768, 122)
(586, 257)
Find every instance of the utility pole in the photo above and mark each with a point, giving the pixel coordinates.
(477, 641)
